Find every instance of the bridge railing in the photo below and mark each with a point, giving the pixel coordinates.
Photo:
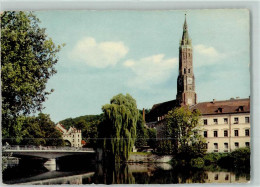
(31, 147)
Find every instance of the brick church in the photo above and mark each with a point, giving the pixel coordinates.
(226, 124)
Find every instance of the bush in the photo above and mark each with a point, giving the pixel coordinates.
(241, 157)
(197, 162)
(238, 158)
(211, 158)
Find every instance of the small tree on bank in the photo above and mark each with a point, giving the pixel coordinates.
(183, 129)
(118, 129)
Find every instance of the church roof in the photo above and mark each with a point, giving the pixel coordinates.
(161, 109)
(206, 108)
(223, 107)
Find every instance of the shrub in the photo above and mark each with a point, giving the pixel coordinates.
(197, 162)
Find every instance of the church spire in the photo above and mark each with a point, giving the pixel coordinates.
(185, 36)
(186, 94)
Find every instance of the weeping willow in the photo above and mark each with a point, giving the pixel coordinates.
(120, 118)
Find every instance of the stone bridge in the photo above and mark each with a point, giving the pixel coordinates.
(49, 152)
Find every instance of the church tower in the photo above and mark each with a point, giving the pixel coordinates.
(186, 81)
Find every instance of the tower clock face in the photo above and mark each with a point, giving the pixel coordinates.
(189, 80)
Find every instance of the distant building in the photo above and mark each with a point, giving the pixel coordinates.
(72, 137)
(226, 124)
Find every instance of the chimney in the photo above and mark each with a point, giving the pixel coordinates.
(143, 114)
(214, 100)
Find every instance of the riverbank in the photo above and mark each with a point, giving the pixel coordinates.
(148, 158)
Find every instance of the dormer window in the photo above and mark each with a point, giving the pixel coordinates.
(219, 110)
(240, 108)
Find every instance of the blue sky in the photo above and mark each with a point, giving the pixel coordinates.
(136, 52)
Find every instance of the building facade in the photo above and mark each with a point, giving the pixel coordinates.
(225, 124)
(72, 137)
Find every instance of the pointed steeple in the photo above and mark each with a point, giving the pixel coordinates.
(185, 36)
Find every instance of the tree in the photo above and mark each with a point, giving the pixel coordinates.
(28, 57)
(118, 129)
(40, 130)
(183, 129)
(141, 132)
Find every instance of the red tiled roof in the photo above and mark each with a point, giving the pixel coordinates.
(223, 107)
(206, 108)
(83, 142)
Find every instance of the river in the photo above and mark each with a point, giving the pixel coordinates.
(134, 173)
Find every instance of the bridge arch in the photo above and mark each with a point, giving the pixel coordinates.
(67, 143)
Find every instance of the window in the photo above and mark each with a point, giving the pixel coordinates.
(235, 120)
(247, 144)
(205, 134)
(216, 177)
(237, 177)
(206, 146)
(225, 133)
(236, 132)
(215, 133)
(225, 120)
(226, 145)
(78, 135)
(205, 121)
(215, 121)
(247, 119)
(215, 145)
(188, 70)
(247, 132)
(236, 145)
(73, 140)
(227, 177)
(184, 71)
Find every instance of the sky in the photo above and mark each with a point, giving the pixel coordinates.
(136, 52)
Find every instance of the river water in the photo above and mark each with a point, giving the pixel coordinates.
(134, 173)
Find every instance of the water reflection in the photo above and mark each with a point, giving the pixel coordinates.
(134, 173)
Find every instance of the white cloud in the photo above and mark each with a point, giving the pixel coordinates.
(206, 55)
(150, 70)
(98, 55)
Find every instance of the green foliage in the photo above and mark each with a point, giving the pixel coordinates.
(151, 138)
(197, 162)
(40, 130)
(183, 129)
(67, 123)
(241, 157)
(213, 158)
(164, 147)
(28, 57)
(141, 132)
(118, 129)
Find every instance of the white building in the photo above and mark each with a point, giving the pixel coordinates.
(72, 137)
(226, 124)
